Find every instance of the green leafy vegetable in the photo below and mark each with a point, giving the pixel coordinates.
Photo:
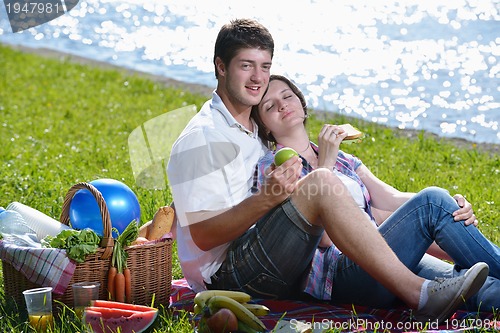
(129, 235)
(119, 258)
(77, 243)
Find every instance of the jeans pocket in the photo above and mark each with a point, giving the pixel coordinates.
(267, 286)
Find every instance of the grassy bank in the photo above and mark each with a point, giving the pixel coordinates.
(62, 123)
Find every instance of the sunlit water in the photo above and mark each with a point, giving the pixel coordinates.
(419, 64)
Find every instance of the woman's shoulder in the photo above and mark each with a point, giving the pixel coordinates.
(349, 159)
(268, 156)
(346, 156)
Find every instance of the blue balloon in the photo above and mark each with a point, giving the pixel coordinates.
(121, 201)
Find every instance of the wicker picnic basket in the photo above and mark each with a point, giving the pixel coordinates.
(150, 264)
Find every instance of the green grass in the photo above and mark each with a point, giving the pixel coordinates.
(63, 123)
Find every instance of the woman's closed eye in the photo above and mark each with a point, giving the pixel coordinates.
(271, 106)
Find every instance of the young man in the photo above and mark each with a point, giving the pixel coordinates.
(263, 243)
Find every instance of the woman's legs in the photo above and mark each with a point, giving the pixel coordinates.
(352, 285)
(409, 232)
(427, 217)
(323, 199)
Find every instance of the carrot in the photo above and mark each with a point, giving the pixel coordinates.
(123, 288)
(111, 282)
(120, 287)
(128, 285)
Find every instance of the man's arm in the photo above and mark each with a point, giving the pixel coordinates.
(234, 222)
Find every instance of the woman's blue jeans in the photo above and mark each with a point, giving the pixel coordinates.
(425, 218)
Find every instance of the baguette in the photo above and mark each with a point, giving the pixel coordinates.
(161, 223)
(143, 230)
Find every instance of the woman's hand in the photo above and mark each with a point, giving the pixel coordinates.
(465, 211)
(329, 140)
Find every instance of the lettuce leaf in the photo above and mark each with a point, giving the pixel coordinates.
(77, 243)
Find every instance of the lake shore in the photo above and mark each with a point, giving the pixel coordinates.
(207, 91)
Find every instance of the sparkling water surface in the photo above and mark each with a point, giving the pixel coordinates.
(414, 64)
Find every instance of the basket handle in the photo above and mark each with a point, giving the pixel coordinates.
(107, 239)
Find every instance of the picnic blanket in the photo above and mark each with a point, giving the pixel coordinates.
(322, 316)
(46, 267)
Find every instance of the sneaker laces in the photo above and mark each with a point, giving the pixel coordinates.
(443, 283)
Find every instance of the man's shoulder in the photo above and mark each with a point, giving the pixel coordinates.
(202, 122)
(202, 129)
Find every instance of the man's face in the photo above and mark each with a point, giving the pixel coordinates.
(246, 78)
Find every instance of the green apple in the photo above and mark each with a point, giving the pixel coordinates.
(283, 155)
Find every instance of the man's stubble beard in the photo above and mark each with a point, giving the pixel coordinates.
(240, 94)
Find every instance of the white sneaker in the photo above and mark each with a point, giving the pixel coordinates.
(446, 295)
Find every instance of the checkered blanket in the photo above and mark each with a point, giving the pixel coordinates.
(322, 317)
(43, 266)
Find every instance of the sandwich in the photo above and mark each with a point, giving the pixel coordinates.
(353, 134)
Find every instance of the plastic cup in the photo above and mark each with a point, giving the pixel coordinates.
(83, 293)
(39, 306)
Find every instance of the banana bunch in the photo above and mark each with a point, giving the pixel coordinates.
(210, 301)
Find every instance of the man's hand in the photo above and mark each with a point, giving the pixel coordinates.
(281, 181)
(465, 211)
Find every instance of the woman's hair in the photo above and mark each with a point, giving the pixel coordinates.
(240, 34)
(264, 133)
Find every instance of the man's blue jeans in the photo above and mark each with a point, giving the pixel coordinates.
(425, 218)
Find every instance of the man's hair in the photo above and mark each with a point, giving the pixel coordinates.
(264, 133)
(239, 34)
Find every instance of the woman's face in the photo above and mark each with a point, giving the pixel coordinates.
(280, 109)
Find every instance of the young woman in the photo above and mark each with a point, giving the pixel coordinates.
(429, 222)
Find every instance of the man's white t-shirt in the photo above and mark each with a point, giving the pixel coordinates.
(210, 170)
